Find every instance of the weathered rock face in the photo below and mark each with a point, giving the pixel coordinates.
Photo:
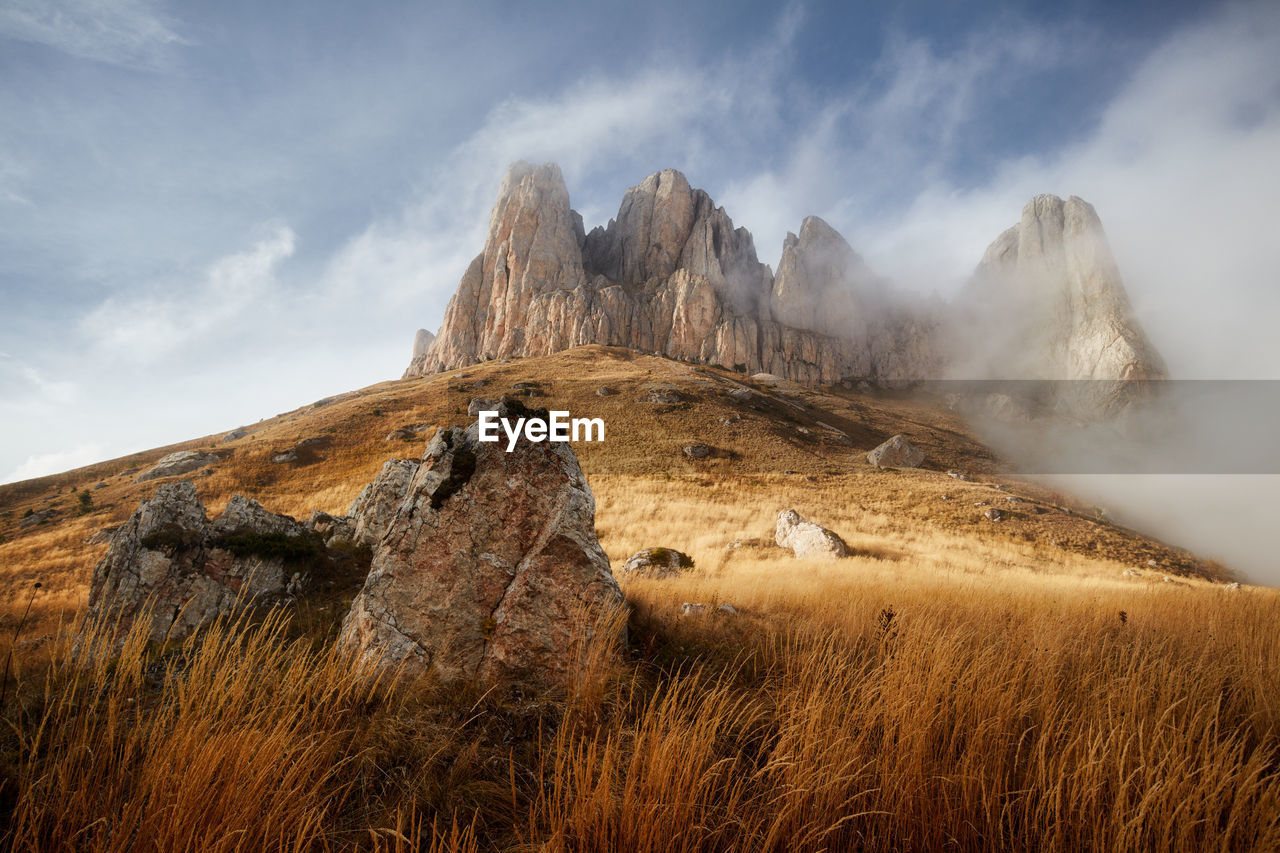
(375, 507)
(670, 275)
(1047, 302)
(490, 566)
(897, 452)
(188, 570)
(806, 538)
(181, 462)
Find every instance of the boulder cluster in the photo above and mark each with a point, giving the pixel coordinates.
(484, 563)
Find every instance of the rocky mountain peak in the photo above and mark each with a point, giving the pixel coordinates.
(1053, 285)
(822, 283)
(671, 274)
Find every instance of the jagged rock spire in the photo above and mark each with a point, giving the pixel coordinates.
(672, 275)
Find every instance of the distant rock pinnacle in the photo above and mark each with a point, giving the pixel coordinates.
(671, 275)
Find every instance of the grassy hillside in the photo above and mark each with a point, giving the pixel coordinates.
(956, 683)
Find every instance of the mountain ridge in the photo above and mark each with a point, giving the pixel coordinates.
(672, 275)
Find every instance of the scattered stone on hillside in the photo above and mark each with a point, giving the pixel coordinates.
(740, 395)
(102, 536)
(481, 404)
(333, 528)
(490, 567)
(957, 475)
(727, 609)
(1151, 564)
(1233, 586)
(39, 517)
(1174, 581)
(299, 584)
(994, 514)
(665, 396)
(690, 609)
(170, 561)
(697, 451)
(314, 442)
(284, 457)
(945, 497)
(409, 432)
(897, 452)
(807, 538)
(1131, 573)
(1014, 499)
(981, 503)
(375, 507)
(181, 462)
(238, 432)
(765, 378)
(605, 391)
(97, 486)
(657, 563)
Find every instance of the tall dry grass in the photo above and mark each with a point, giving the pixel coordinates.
(937, 690)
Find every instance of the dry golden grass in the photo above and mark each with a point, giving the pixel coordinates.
(953, 684)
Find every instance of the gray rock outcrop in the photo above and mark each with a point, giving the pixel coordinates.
(897, 452)
(490, 567)
(181, 462)
(657, 563)
(375, 507)
(169, 561)
(807, 538)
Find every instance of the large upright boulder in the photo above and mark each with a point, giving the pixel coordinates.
(169, 560)
(490, 567)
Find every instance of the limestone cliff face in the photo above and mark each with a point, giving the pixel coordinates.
(670, 275)
(1047, 302)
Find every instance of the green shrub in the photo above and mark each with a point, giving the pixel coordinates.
(272, 546)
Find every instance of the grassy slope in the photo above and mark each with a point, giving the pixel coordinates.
(638, 474)
(955, 684)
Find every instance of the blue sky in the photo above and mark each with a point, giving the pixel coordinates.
(211, 213)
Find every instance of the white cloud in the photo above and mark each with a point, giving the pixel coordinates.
(25, 390)
(146, 326)
(595, 123)
(1182, 169)
(120, 32)
(53, 463)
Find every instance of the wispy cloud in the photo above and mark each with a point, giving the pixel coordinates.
(120, 32)
(52, 463)
(143, 327)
